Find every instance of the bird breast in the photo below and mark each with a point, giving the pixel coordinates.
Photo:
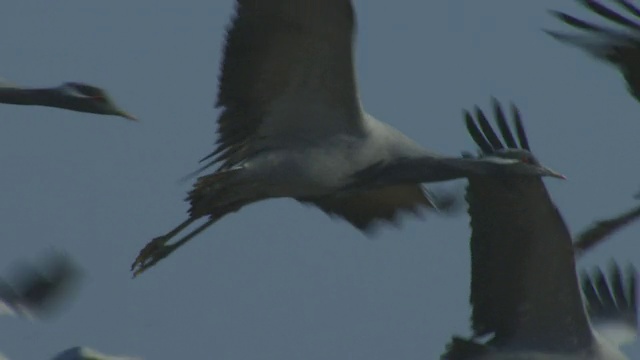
(320, 169)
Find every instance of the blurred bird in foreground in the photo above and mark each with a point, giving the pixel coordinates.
(34, 293)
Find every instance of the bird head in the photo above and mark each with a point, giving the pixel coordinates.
(91, 99)
(523, 162)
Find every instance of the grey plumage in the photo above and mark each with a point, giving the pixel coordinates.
(74, 96)
(292, 125)
(617, 46)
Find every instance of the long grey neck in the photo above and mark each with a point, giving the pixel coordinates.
(425, 169)
(40, 96)
(18, 96)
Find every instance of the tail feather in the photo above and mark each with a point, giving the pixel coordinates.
(464, 349)
(219, 193)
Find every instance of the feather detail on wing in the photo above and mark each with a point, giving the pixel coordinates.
(364, 209)
(287, 76)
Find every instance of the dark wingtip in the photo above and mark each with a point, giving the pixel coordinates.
(501, 120)
(556, 35)
(476, 134)
(487, 130)
(555, 13)
(522, 134)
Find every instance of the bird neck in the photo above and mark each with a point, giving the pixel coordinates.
(18, 96)
(410, 170)
(39, 96)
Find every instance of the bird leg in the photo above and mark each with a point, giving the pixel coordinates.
(155, 246)
(158, 248)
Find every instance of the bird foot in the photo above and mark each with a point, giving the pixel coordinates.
(156, 250)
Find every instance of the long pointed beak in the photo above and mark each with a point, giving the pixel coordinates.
(127, 116)
(555, 174)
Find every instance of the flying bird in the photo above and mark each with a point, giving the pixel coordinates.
(74, 96)
(619, 46)
(292, 125)
(525, 294)
(33, 293)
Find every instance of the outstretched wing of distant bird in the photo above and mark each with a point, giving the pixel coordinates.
(602, 229)
(617, 46)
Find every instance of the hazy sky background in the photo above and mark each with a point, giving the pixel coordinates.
(280, 280)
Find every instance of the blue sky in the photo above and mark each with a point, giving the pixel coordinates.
(280, 279)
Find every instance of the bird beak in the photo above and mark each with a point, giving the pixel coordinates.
(555, 174)
(127, 116)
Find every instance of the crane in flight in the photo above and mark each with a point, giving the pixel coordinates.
(292, 125)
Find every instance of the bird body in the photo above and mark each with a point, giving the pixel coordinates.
(311, 168)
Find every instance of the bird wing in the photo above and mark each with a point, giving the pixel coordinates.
(603, 42)
(287, 76)
(602, 229)
(611, 304)
(620, 47)
(364, 209)
(522, 259)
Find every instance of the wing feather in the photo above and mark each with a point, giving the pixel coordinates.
(522, 260)
(364, 209)
(287, 75)
(619, 47)
(602, 229)
(610, 302)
